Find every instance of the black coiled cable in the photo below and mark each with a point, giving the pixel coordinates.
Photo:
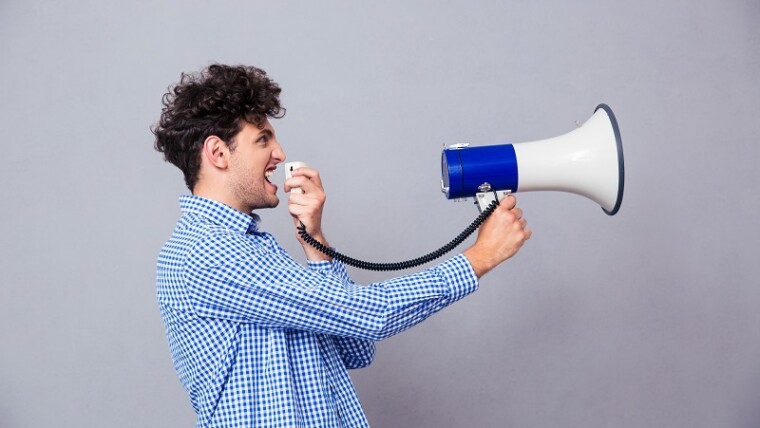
(405, 264)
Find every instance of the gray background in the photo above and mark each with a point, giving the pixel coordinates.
(646, 319)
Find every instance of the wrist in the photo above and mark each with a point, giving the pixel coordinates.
(312, 253)
(481, 260)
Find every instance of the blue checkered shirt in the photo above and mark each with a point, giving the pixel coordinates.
(259, 340)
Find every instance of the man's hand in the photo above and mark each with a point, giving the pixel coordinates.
(499, 238)
(307, 207)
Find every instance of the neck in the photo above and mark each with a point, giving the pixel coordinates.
(222, 196)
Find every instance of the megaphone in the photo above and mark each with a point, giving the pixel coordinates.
(587, 161)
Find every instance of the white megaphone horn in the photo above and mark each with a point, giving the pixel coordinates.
(587, 161)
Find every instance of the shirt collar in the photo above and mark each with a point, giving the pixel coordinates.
(219, 213)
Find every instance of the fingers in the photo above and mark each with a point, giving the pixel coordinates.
(311, 173)
(514, 216)
(307, 209)
(509, 202)
(500, 237)
(304, 178)
(509, 206)
(306, 206)
(307, 199)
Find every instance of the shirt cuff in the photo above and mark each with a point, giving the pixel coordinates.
(459, 276)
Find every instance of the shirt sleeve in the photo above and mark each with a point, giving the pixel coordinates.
(334, 268)
(229, 277)
(355, 353)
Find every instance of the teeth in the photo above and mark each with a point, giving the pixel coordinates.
(268, 174)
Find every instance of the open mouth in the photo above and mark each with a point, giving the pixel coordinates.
(268, 175)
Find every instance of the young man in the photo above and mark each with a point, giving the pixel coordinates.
(257, 339)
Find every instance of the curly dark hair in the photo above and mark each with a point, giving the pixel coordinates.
(217, 101)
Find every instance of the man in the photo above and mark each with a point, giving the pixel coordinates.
(258, 339)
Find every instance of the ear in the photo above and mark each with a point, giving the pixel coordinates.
(216, 152)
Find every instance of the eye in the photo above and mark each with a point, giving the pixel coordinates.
(264, 137)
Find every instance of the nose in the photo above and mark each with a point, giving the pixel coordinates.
(278, 154)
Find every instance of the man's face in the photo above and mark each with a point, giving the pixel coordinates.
(252, 162)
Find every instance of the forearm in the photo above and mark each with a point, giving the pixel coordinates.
(272, 289)
(481, 261)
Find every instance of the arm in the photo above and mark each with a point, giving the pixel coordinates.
(355, 353)
(235, 278)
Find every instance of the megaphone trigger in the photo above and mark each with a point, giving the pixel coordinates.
(485, 198)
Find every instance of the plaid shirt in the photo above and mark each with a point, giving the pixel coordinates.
(258, 339)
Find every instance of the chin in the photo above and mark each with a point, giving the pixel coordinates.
(265, 204)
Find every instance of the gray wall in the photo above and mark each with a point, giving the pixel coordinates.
(646, 319)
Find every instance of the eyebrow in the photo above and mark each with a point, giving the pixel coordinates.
(265, 132)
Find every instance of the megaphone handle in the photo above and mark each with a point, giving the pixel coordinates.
(484, 199)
